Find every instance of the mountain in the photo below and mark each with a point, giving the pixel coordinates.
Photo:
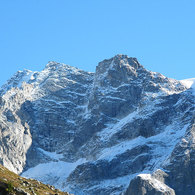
(93, 133)
(12, 184)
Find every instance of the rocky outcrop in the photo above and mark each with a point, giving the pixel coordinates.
(146, 184)
(94, 132)
(181, 167)
(179, 171)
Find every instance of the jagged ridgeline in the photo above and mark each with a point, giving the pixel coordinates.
(93, 133)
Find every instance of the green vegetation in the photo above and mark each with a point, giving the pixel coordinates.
(10, 187)
(13, 184)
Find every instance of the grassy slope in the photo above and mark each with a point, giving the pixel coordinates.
(13, 184)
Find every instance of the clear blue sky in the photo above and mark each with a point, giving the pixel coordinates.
(160, 33)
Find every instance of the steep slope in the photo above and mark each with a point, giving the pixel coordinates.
(178, 172)
(93, 132)
(41, 107)
(13, 184)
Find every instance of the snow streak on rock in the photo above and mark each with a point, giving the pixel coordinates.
(91, 133)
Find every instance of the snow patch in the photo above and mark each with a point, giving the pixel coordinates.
(110, 153)
(52, 155)
(162, 145)
(114, 128)
(189, 83)
(53, 173)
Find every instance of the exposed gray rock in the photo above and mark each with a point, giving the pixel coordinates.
(179, 173)
(99, 129)
(181, 168)
(145, 184)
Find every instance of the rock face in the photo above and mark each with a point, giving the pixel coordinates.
(181, 167)
(147, 184)
(94, 132)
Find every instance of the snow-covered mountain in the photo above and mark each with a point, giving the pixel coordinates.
(92, 133)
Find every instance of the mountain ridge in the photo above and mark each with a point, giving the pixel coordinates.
(104, 127)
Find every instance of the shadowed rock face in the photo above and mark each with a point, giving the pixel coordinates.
(181, 168)
(179, 171)
(94, 132)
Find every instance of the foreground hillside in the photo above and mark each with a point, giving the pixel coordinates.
(93, 133)
(13, 184)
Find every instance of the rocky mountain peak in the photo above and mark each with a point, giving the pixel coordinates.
(91, 134)
(116, 63)
(124, 60)
(117, 70)
(53, 68)
(52, 65)
(16, 80)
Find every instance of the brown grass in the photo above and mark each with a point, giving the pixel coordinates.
(13, 184)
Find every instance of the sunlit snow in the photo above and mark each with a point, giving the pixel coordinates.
(189, 83)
